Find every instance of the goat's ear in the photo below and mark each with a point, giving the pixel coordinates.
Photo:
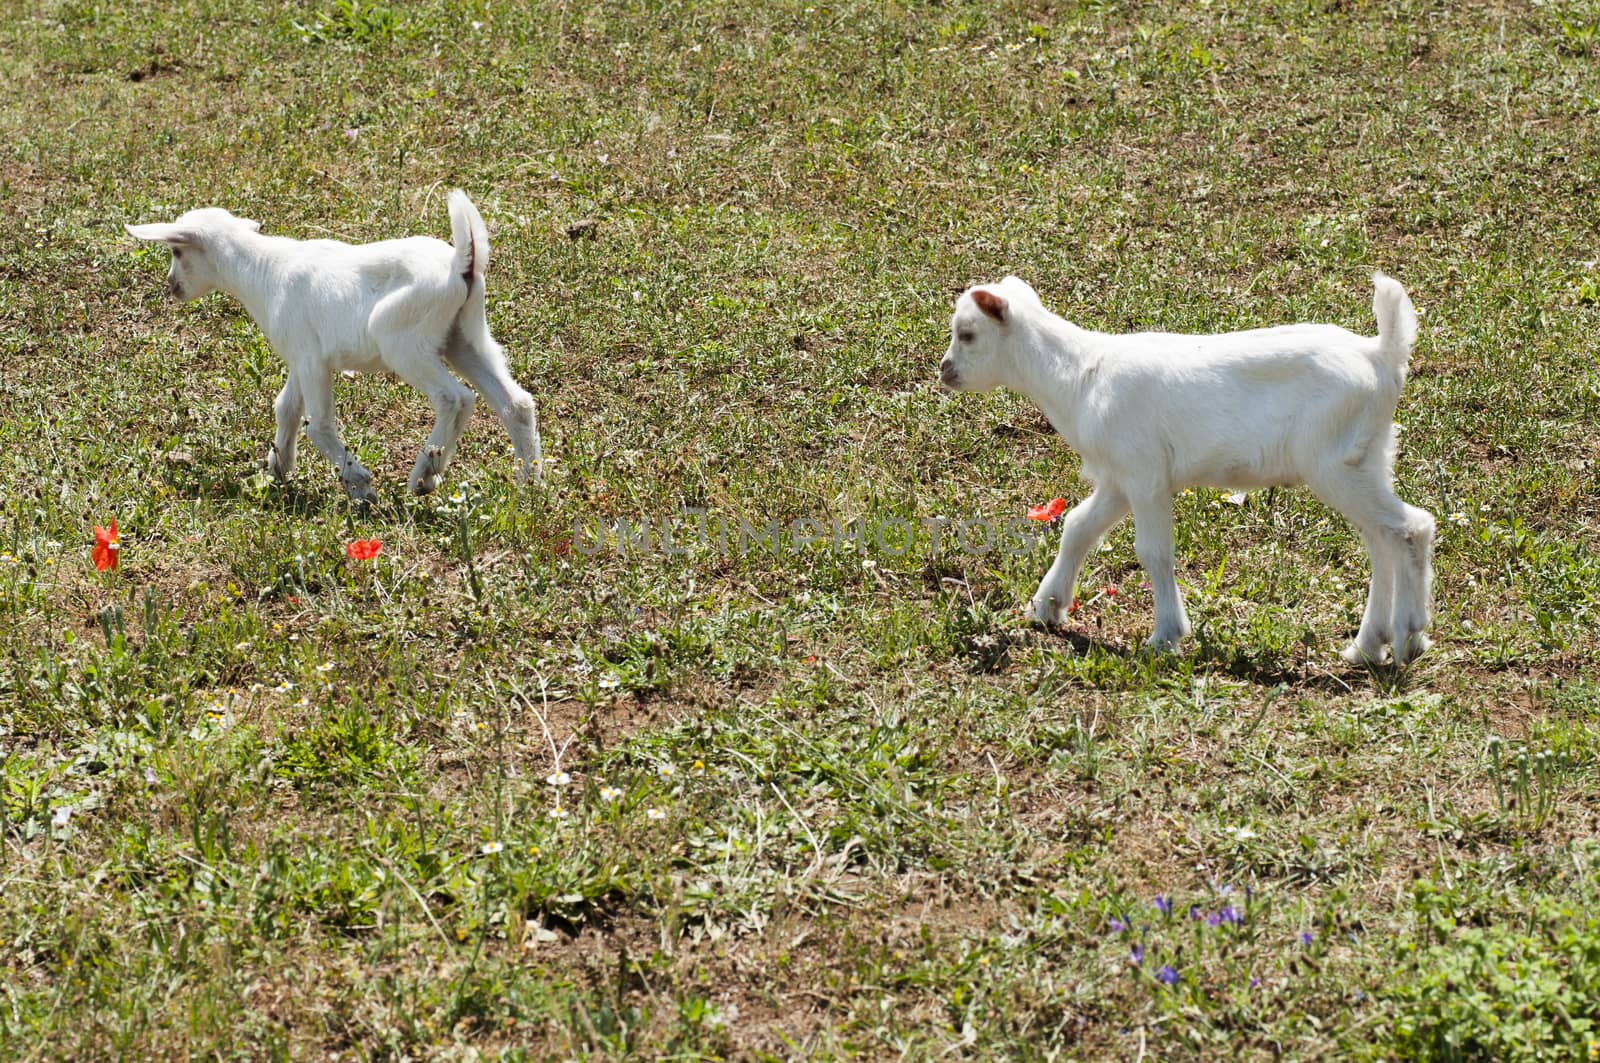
(162, 233)
(991, 304)
(1017, 282)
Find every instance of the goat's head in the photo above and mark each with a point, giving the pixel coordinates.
(193, 238)
(982, 336)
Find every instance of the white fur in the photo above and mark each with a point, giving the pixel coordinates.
(407, 306)
(1152, 413)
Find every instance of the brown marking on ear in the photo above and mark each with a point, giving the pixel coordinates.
(991, 304)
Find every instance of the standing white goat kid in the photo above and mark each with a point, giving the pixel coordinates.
(1152, 413)
(407, 306)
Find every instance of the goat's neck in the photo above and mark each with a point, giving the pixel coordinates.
(1054, 370)
(245, 265)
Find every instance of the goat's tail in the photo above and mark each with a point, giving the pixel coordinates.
(1397, 331)
(1397, 322)
(470, 237)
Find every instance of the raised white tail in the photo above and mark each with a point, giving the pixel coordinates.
(1397, 321)
(470, 237)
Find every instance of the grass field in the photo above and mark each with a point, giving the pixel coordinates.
(493, 794)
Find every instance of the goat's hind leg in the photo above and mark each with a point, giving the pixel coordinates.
(452, 403)
(483, 363)
(1376, 630)
(1412, 610)
(1400, 540)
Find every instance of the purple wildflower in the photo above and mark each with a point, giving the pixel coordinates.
(1230, 915)
(1117, 925)
(1255, 983)
(1306, 937)
(1164, 905)
(1168, 975)
(1194, 913)
(1136, 954)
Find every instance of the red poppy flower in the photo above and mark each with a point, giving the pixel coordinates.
(106, 547)
(364, 549)
(1073, 608)
(1109, 590)
(1049, 510)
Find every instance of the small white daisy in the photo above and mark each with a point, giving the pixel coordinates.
(490, 848)
(610, 682)
(666, 771)
(654, 813)
(610, 793)
(558, 778)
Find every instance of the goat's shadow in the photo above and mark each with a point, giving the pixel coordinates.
(252, 491)
(1299, 672)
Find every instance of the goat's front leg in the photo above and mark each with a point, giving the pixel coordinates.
(1152, 541)
(316, 388)
(290, 409)
(1082, 528)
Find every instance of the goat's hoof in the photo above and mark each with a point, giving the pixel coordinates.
(1411, 647)
(279, 469)
(1355, 654)
(358, 485)
(429, 470)
(1162, 644)
(1045, 611)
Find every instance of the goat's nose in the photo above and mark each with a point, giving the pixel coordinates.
(947, 371)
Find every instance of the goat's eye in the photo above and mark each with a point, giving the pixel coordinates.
(176, 254)
(964, 337)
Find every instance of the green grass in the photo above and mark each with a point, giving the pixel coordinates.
(258, 800)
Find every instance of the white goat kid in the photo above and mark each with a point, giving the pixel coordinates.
(407, 306)
(1152, 413)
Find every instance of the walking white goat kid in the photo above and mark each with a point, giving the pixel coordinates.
(1152, 413)
(406, 306)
